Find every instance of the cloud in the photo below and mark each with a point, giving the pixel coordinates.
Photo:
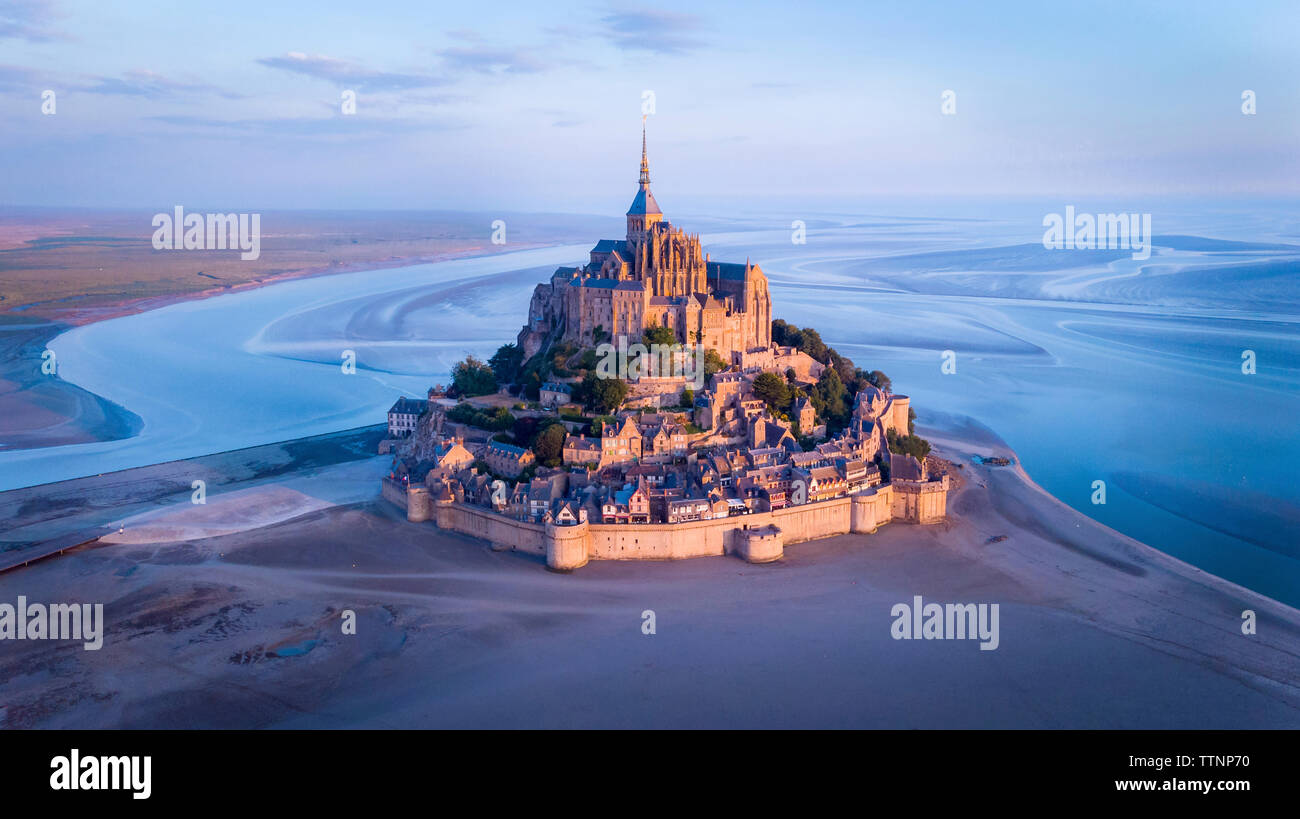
(469, 35)
(14, 77)
(338, 125)
(661, 32)
(346, 73)
(487, 60)
(152, 85)
(31, 20)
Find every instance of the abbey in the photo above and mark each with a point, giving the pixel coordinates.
(656, 275)
(781, 441)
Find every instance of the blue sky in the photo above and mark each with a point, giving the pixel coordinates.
(530, 106)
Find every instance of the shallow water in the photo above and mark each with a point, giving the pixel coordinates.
(1092, 365)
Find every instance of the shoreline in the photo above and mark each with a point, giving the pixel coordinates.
(38, 514)
(115, 419)
(458, 635)
(43, 411)
(78, 316)
(948, 445)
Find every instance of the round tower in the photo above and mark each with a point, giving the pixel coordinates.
(567, 547)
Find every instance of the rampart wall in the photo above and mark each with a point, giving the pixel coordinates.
(760, 537)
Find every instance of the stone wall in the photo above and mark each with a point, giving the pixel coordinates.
(502, 532)
(921, 501)
(759, 537)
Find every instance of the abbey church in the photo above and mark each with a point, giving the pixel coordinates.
(657, 275)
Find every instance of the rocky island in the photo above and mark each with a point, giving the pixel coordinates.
(651, 408)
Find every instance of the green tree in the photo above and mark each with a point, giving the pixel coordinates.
(781, 331)
(811, 343)
(505, 362)
(773, 390)
(604, 395)
(525, 429)
(532, 385)
(908, 445)
(498, 419)
(831, 400)
(879, 379)
(549, 444)
(462, 413)
(473, 377)
(713, 363)
(654, 334)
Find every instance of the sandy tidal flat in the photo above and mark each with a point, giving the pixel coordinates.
(243, 630)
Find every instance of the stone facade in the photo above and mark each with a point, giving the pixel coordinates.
(759, 538)
(507, 459)
(404, 417)
(657, 275)
(726, 476)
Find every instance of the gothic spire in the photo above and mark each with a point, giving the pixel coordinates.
(645, 163)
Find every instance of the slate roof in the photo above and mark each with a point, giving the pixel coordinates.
(727, 270)
(905, 467)
(409, 406)
(509, 449)
(644, 203)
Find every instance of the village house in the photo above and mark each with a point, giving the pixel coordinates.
(404, 415)
(565, 512)
(821, 483)
(630, 504)
(449, 457)
(666, 440)
(555, 393)
(680, 510)
(579, 450)
(857, 473)
(620, 443)
(507, 459)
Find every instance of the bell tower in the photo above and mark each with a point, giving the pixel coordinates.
(644, 213)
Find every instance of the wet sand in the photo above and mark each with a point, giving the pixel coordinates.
(243, 629)
(63, 268)
(40, 410)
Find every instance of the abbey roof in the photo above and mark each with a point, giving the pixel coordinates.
(644, 203)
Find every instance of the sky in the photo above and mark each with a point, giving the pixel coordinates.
(538, 106)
